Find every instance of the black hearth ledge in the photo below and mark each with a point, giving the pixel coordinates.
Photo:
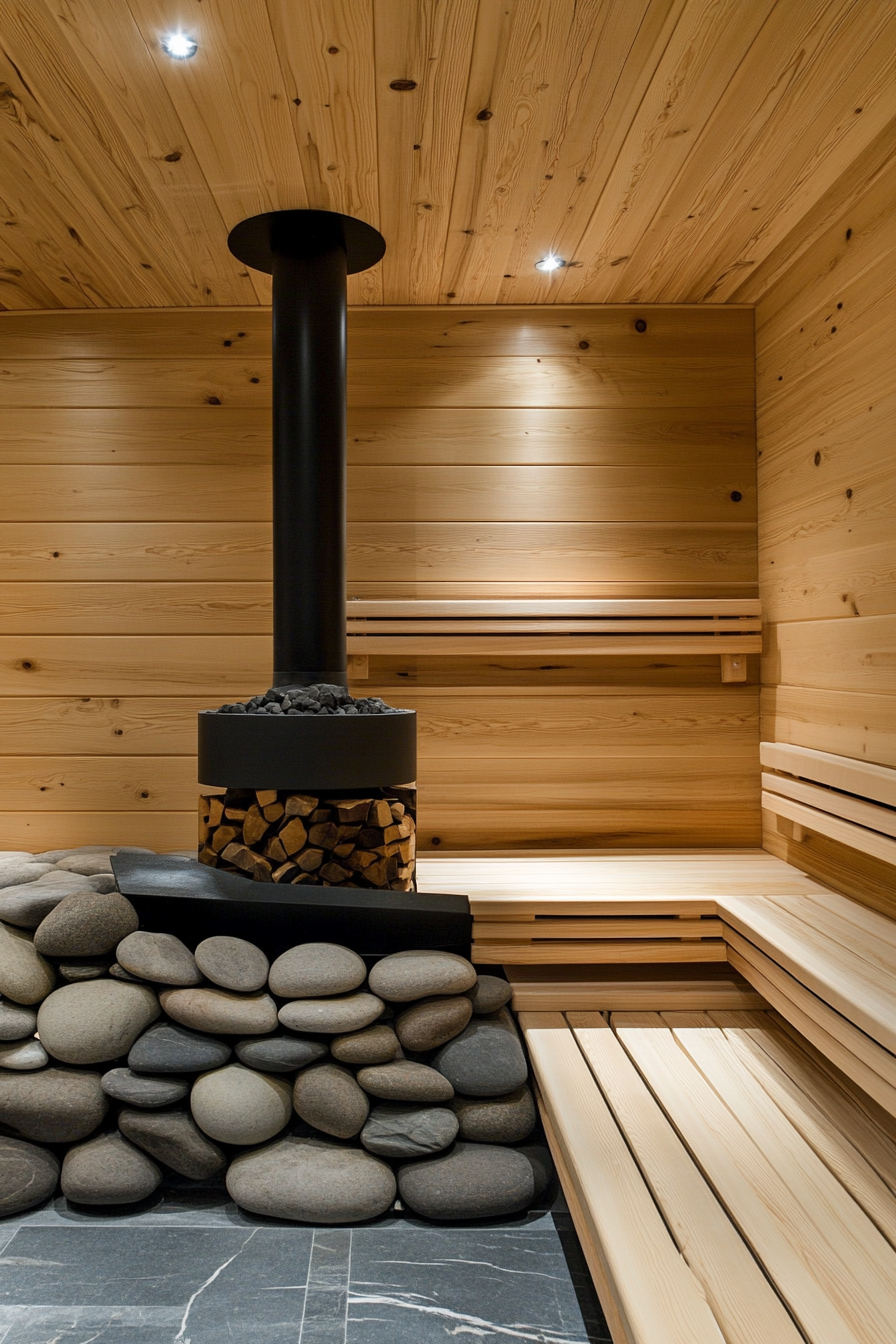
(307, 752)
(193, 901)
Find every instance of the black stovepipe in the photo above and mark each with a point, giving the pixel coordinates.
(309, 253)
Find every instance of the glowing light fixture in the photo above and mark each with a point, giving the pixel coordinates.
(180, 46)
(549, 263)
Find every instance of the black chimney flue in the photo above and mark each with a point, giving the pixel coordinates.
(309, 253)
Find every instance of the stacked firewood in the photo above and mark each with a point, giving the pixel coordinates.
(276, 836)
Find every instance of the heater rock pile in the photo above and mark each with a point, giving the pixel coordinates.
(322, 698)
(319, 1090)
(280, 836)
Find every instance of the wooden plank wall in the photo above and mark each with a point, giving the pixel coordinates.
(826, 408)
(493, 453)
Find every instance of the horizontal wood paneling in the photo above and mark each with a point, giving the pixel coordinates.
(827, 501)
(600, 554)
(500, 454)
(390, 494)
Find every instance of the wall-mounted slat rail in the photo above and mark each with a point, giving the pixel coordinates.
(853, 802)
(731, 628)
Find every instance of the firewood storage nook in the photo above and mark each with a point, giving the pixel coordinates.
(453, 442)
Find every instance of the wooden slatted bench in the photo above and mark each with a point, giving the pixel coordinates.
(730, 627)
(853, 802)
(727, 1182)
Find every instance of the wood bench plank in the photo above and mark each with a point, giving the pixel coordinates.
(668, 950)
(525, 929)
(643, 1278)
(743, 1301)
(831, 1139)
(871, 815)
(863, 993)
(596, 988)
(861, 1058)
(832, 1266)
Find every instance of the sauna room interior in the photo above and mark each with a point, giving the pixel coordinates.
(448, 676)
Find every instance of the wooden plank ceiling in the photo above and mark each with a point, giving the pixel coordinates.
(665, 148)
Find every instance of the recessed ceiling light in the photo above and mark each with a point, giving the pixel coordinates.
(549, 263)
(180, 46)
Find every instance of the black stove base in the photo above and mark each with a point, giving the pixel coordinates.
(193, 901)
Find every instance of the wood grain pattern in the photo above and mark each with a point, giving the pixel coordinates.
(668, 151)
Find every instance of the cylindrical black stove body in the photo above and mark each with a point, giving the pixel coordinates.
(309, 320)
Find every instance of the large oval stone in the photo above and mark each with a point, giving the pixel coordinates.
(173, 1137)
(331, 1016)
(404, 1080)
(98, 1020)
(28, 1175)
(19, 868)
(221, 1010)
(404, 976)
(16, 1021)
(159, 957)
(140, 1089)
(316, 970)
(28, 904)
(472, 1181)
(52, 1105)
(396, 1129)
(486, 1059)
(24, 975)
(23, 1055)
(508, 1119)
(431, 1023)
(489, 994)
(86, 924)
(327, 1097)
(108, 1170)
(280, 1053)
(238, 1105)
(312, 1181)
(87, 863)
(171, 1048)
(373, 1045)
(232, 963)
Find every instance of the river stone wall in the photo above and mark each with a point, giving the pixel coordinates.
(321, 1090)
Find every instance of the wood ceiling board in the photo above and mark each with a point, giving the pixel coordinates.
(609, 125)
(747, 184)
(431, 45)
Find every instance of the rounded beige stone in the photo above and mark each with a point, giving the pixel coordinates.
(95, 1020)
(239, 1105)
(220, 1010)
(25, 977)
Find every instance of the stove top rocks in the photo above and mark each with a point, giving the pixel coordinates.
(323, 698)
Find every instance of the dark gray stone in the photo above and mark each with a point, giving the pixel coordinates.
(280, 1052)
(52, 1105)
(312, 1181)
(404, 976)
(232, 963)
(108, 1170)
(373, 1045)
(405, 1080)
(28, 1175)
(334, 1017)
(86, 924)
(472, 1181)
(16, 1021)
(316, 970)
(173, 1137)
(25, 977)
(489, 994)
(429, 1024)
(140, 1089)
(539, 1159)
(327, 1097)
(396, 1129)
(22, 1056)
(486, 1059)
(239, 1105)
(73, 972)
(95, 1021)
(119, 973)
(159, 957)
(221, 1010)
(507, 1119)
(170, 1048)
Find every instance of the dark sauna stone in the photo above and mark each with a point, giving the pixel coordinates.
(139, 1089)
(170, 1048)
(280, 1052)
(173, 1137)
(472, 1181)
(486, 1059)
(28, 1175)
(322, 698)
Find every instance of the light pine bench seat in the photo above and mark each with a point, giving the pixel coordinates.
(728, 1183)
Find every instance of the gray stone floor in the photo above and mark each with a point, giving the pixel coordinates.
(189, 1267)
